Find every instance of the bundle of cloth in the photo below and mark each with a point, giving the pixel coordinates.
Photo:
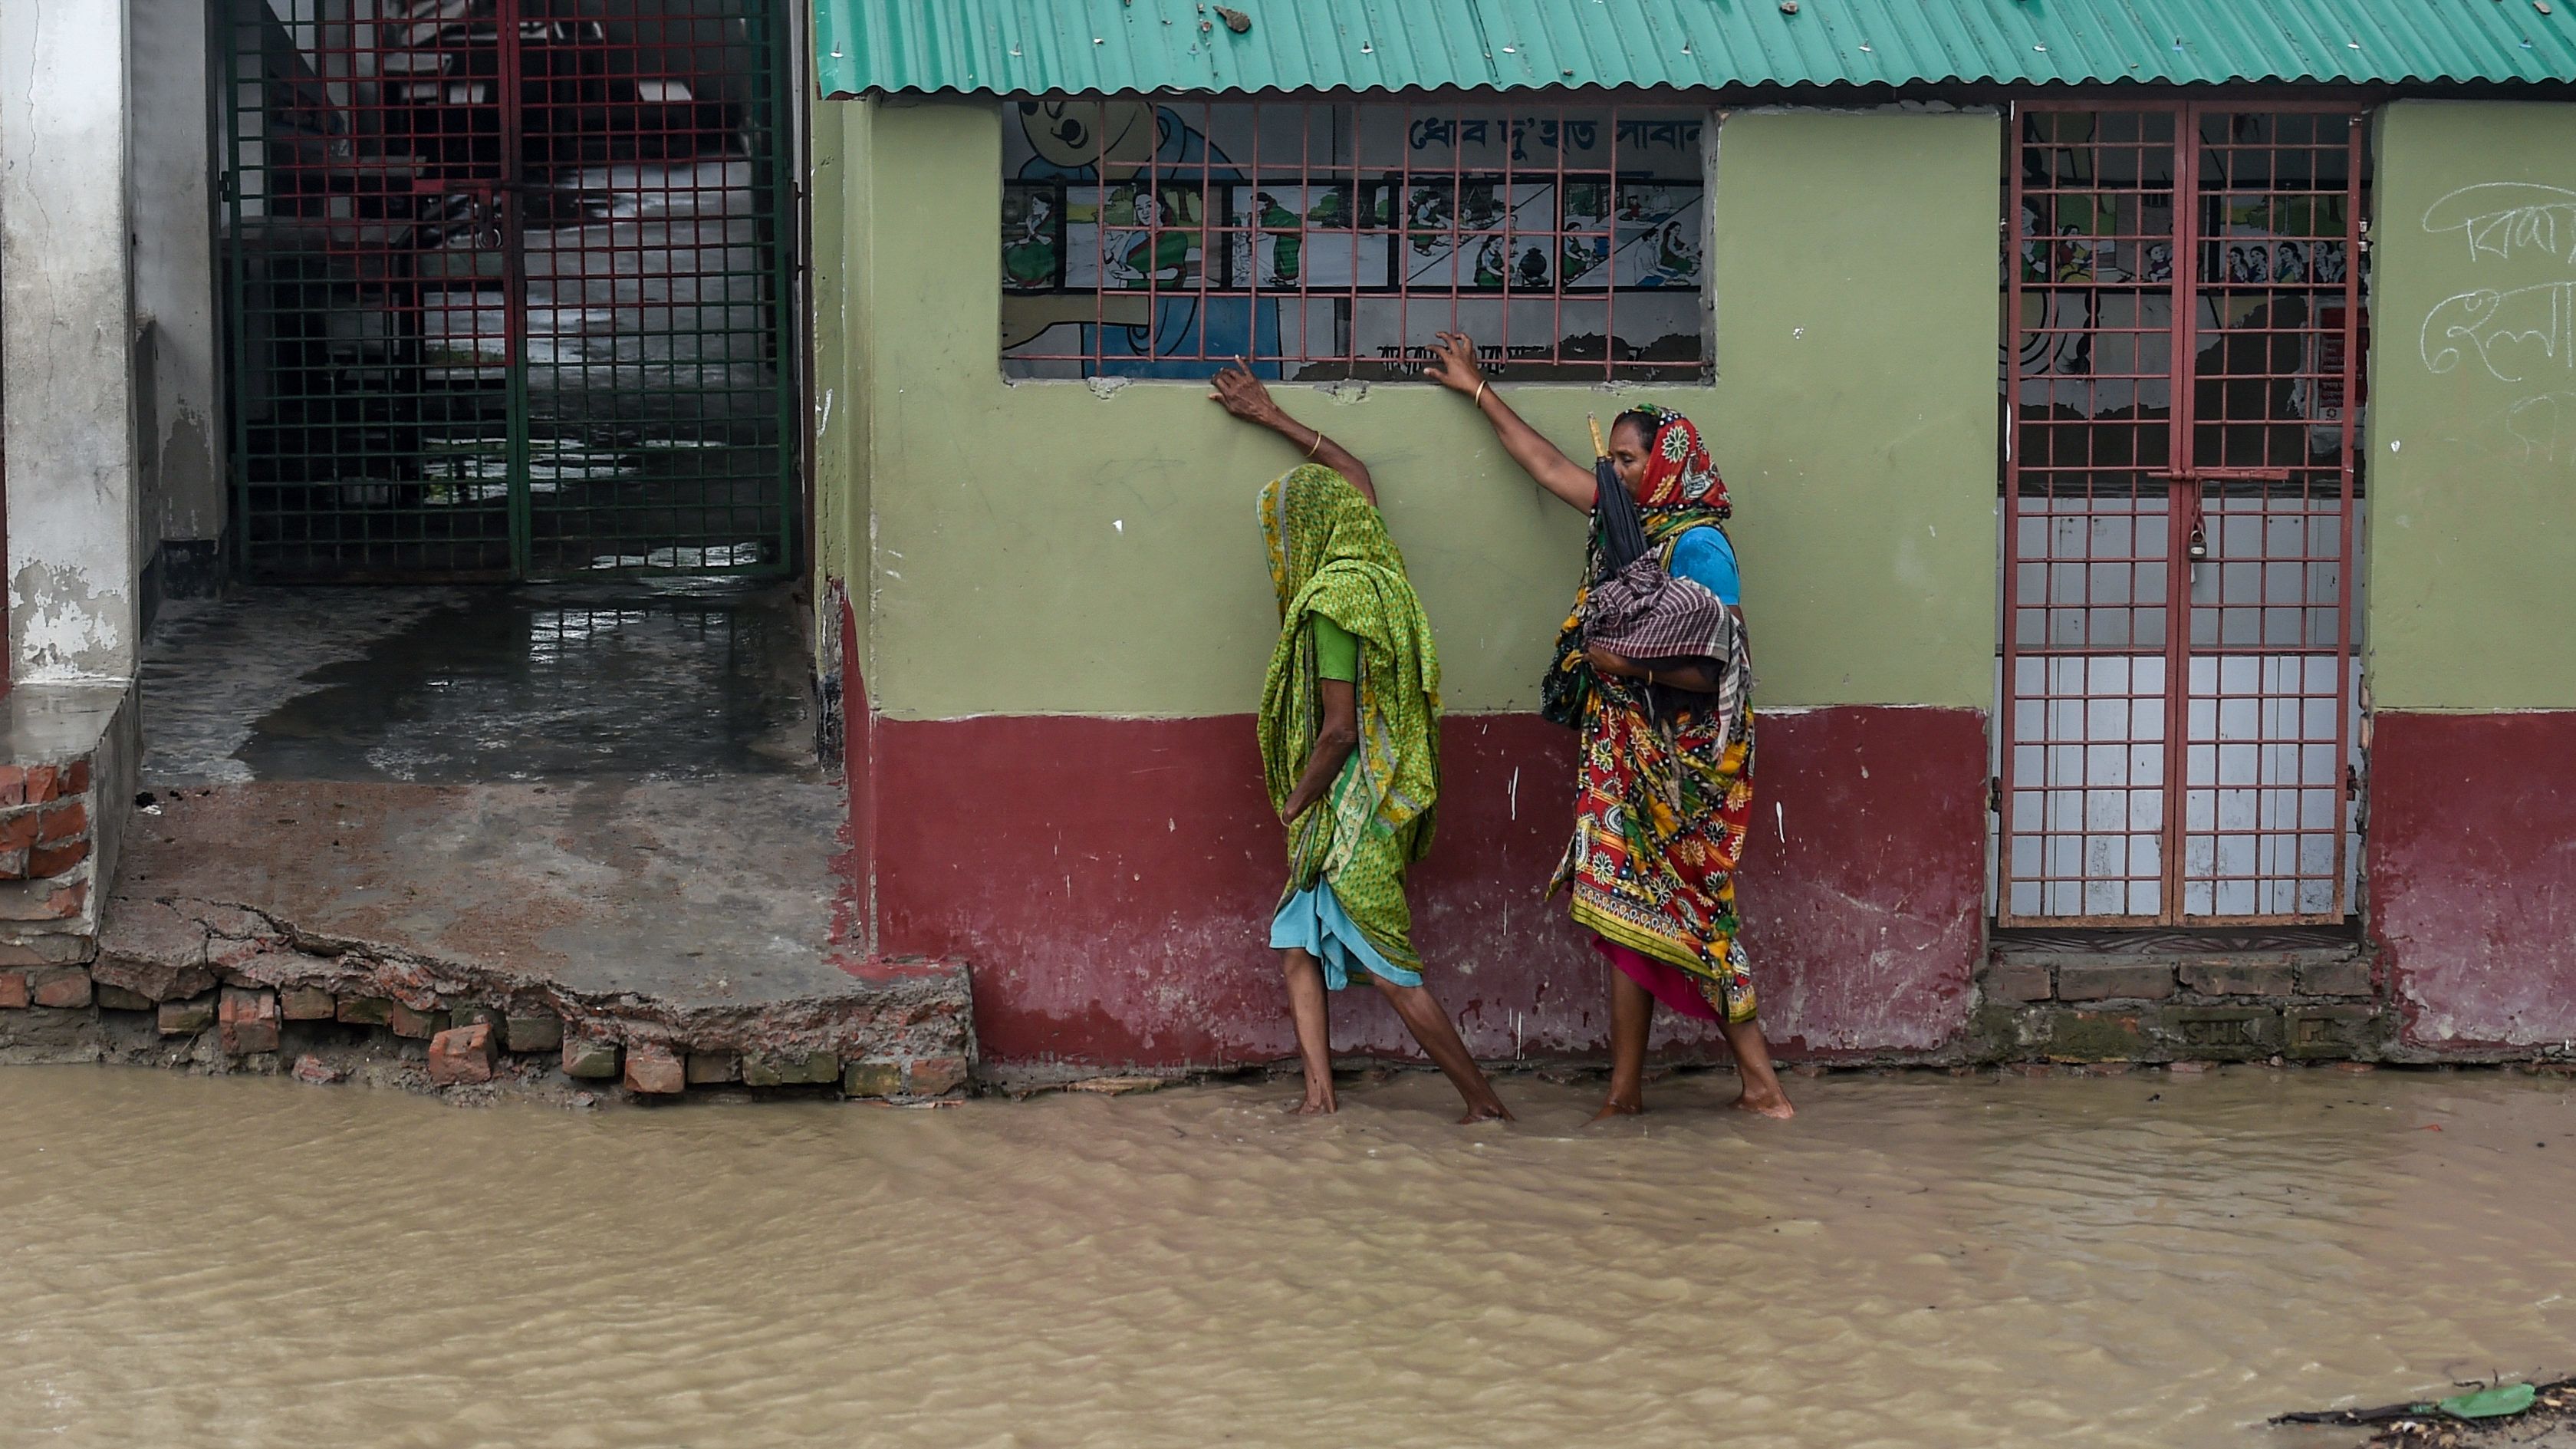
(1636, 609)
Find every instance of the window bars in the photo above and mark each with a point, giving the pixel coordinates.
(1324, 240)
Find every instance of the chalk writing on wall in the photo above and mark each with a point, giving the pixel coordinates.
(2520, 335)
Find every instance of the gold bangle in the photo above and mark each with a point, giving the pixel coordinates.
(1478, 401)
(1316, 446)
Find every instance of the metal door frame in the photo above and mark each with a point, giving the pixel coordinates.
(772, 117)
(2187, 489)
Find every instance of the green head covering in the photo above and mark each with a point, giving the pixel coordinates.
(1330, 556)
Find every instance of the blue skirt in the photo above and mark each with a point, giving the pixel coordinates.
(1313, 921)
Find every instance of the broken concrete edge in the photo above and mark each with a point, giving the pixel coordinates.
(174, 955)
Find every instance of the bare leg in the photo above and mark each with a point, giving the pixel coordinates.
(1753, 1065)
(1431, 1026)
(1632, 1010)
(1314, 1034)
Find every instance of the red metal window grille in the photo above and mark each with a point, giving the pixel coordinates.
(1328, 240)
(2180, 507)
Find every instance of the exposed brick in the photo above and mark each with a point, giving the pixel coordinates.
(783, 1071)
(67, 821)
(935, 1076)
(366, 1010)
(2104, 980)
(589, 1057)
(714, 1067)
(467, 1013)
(306, 1003)
(18, 829)
(13, 784)
(76, 778)
(418, 1025)
(2321, 1032)
(310, 1068)
(872, 1079)
(2016, 981)
(2335, 978)
(2218, 1033)
(461, 1054)
(43, 783)
(112, 997)
(59, 986)
(13, 991)
(53, 860)
(41, 900)
(189, 1017)
(532, 1031)
(654, 1069)
(49, 948)
(2094, 1036)
(2231, 976)
(246, 1021)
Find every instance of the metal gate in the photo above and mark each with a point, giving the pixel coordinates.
(509, 291)
(2183, 348)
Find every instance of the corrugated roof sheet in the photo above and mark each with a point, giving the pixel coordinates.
(1109, 46)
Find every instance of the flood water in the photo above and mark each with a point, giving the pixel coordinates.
(1915, 1261)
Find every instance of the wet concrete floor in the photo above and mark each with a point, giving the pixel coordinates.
(609, 786)
(474, 686)
(1916, 1261)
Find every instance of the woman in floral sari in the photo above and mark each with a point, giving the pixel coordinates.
(1665, 789)
(1350, 720)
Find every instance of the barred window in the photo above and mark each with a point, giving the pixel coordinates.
(1329, 240)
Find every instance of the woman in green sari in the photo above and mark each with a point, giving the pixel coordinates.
(1350, 717)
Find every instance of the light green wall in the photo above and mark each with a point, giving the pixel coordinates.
(839, 251)
(1052, 548)
(2472, 450)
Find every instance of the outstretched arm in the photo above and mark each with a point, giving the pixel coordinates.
(1454, 366)
(1242, 394)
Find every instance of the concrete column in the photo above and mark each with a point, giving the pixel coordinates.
(66, 310)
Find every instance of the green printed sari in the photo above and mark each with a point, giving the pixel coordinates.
(1330, 556)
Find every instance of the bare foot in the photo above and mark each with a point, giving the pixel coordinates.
(1492, 1112)
(1312, 1106)
(1616, 1108)
(1773, 1103)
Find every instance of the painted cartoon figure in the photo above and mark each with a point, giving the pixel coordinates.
(1149, 148)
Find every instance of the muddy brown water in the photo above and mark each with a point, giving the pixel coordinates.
(1916, 1261)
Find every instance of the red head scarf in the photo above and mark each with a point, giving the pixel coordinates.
(1679, 473)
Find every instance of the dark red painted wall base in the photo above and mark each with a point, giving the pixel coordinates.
(1110, 882)
(2472, 860)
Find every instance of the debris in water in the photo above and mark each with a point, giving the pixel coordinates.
(2494, 1414)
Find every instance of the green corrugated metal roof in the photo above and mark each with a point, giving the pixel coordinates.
(1109, 46)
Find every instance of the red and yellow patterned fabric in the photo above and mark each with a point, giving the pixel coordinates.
(1663, 799)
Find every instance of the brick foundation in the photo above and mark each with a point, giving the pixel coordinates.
(2293, 1005)
(217, 988)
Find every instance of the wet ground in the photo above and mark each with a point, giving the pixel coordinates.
(1917, 1261)
(686, 681)
(609, 787)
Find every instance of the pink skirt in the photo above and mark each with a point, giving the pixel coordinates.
(1670, 984)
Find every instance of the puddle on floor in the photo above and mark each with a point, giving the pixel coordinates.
(1916, 1261)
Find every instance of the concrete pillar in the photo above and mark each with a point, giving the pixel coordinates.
(66, 310)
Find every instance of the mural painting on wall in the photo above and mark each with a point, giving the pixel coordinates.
(1141, 239)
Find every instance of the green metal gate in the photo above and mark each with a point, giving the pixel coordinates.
(509, 288)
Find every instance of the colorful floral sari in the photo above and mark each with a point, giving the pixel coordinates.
(1330, 555)
(1665, 790)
